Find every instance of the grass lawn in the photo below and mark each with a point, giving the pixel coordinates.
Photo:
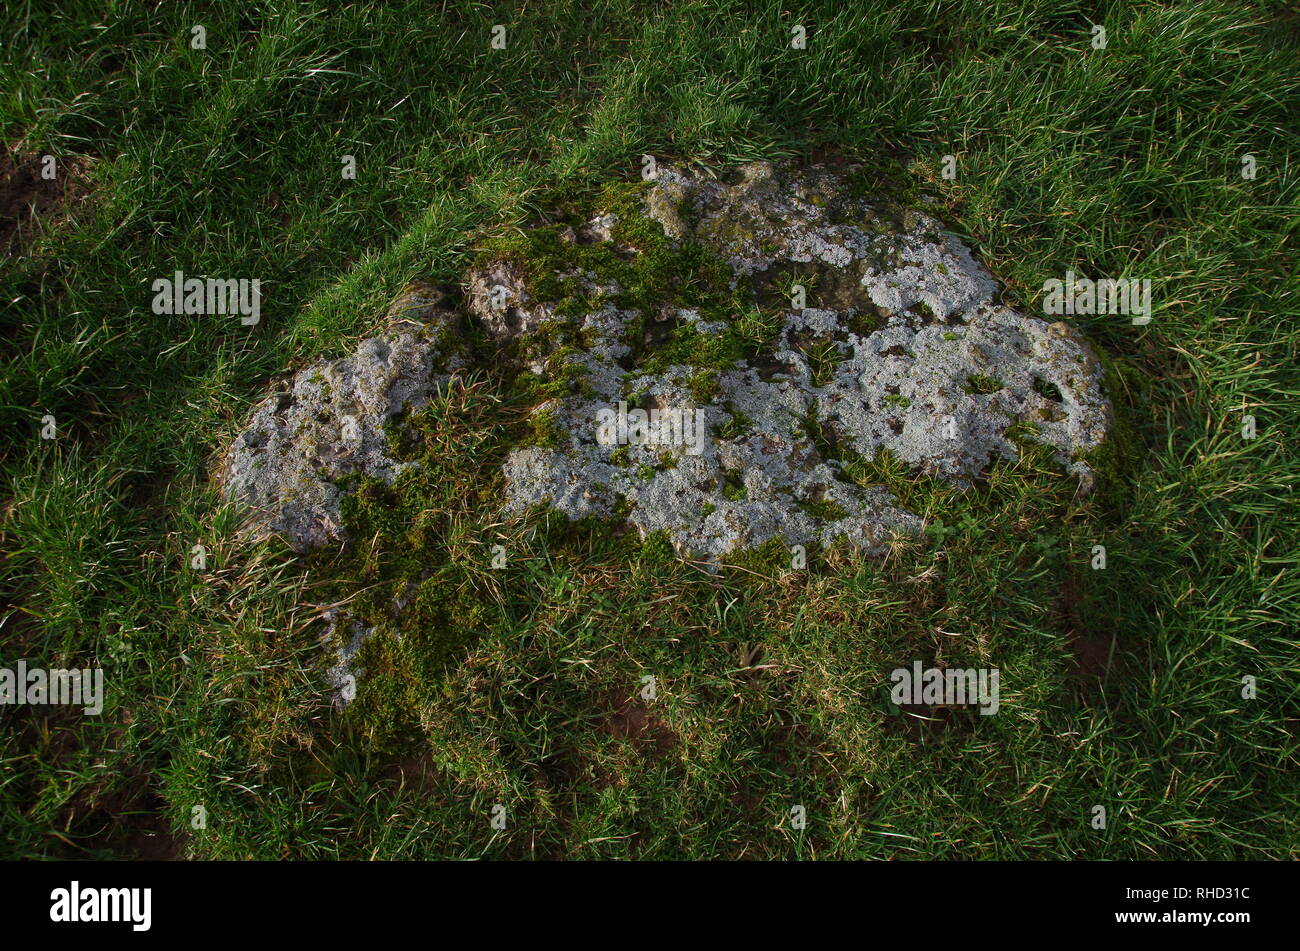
(1120, 687)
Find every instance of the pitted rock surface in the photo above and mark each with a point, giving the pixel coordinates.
(901, 346)
(300, 444)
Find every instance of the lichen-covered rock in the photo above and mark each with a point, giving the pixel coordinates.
(779, 328)
(300, 444)
(899, 345)
(340, 669)
(499, 296)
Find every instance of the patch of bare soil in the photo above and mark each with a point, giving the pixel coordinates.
(1090, 652)
(29, 199)
(632, 720)
(926, 722)
(416, 771)
(124, 815)
(129, 820)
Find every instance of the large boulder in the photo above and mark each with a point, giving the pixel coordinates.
(811, 326)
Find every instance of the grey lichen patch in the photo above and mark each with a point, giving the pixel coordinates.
(899, 320)
(290, 464)
(341, 669)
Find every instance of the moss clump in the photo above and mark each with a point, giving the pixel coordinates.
(772, 558)
(398, 575)
(737, 426)
(822, 509)
(553, 267)
(822, 435)
(545, 429)
(864, 324)
(983, 384)
(411, 649)
(687, 346)
(886, 176)
(657, 549)
(1047, 389)
(733, 489)
(705, 385)
(418, 567)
